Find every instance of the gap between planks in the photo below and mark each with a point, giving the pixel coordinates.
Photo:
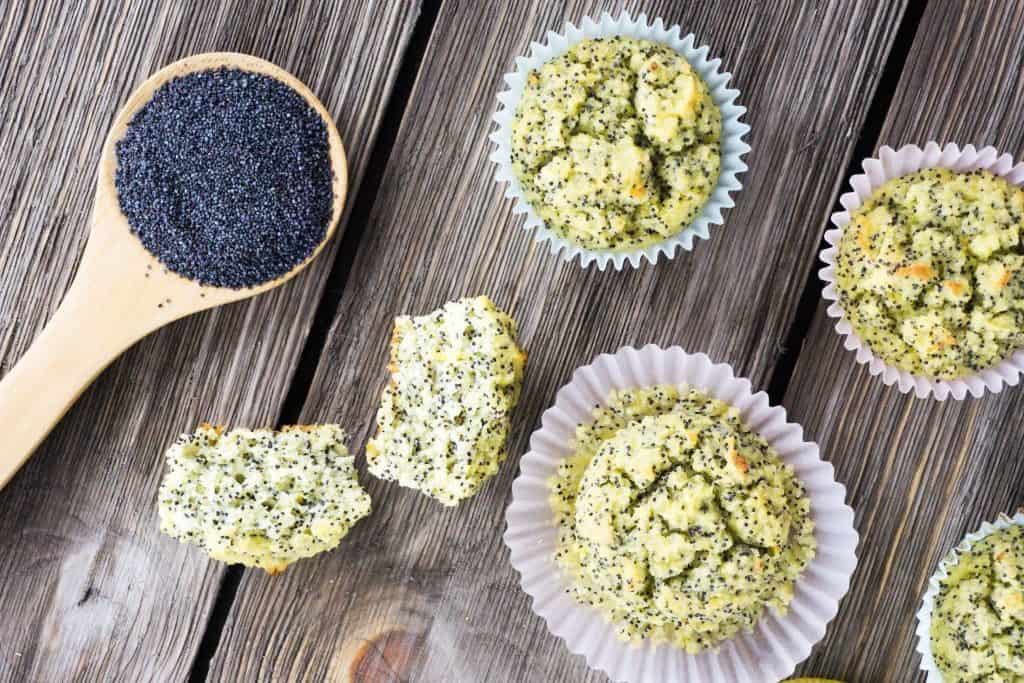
(309, 359)
(362, 206)
(868, 138)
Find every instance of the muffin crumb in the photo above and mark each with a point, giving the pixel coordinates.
(930, 272)
(444, 418)
(677, 521)
(259, 497)
(616, 143)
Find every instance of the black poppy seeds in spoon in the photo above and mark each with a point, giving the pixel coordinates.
(225, 176)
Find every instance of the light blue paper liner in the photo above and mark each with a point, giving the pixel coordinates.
(733, 146)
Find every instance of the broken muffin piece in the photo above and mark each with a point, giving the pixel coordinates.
(444, 417)
(259, 497)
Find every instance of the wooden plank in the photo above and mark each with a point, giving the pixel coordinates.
(921, 474)
(91, 590)
(422, 592)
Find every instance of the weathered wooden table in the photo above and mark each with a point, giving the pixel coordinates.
(89, 589)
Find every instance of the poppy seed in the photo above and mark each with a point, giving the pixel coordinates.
(225, 176)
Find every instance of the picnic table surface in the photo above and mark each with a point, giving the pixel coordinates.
(91, 590)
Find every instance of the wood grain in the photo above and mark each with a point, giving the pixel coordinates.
(425, 593)
(920, 474)
(121, 291)
(91, 591)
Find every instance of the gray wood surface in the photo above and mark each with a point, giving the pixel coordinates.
(90, 590)
(921, 474)
(419, 592)
(425, 593)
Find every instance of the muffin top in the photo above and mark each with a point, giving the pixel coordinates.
(977, 630)
(444, 417)
(930, 272)
(678, 522)
(261, 498)
(616, 143)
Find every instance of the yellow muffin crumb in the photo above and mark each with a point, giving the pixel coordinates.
(977, 631)
(677, 521)
(444, 418)
(930, 272)
(259, 497)
(616, 143)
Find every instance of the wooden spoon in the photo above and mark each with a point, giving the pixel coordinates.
(122, 292)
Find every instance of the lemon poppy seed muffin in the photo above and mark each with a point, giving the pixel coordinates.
(977, 628)
(444, 417)
(259, 497)
(616, 143)
(930, 272)
(678, 522)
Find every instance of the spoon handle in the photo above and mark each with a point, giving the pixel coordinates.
(86, 333)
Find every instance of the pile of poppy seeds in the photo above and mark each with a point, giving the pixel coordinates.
(225, 176)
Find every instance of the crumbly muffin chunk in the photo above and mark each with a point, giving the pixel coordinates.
(930, 272)
(259, 497)
(616, 143)
(678, 522)
(444, 417)
(977, 628)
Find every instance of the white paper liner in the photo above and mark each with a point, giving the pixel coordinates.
(891, 164)
(924, 615)
(777, 644)
(732, 145)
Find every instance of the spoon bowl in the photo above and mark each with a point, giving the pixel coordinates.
(121, 291)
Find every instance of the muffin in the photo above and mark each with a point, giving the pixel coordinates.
(616, 143)
(977, 619)
(444, 418)
(676, 521)
(259, 497)
(930, 272)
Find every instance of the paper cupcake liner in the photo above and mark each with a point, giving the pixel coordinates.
(776, 644)
(892, 164)
(732, 145)
(924, 615)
